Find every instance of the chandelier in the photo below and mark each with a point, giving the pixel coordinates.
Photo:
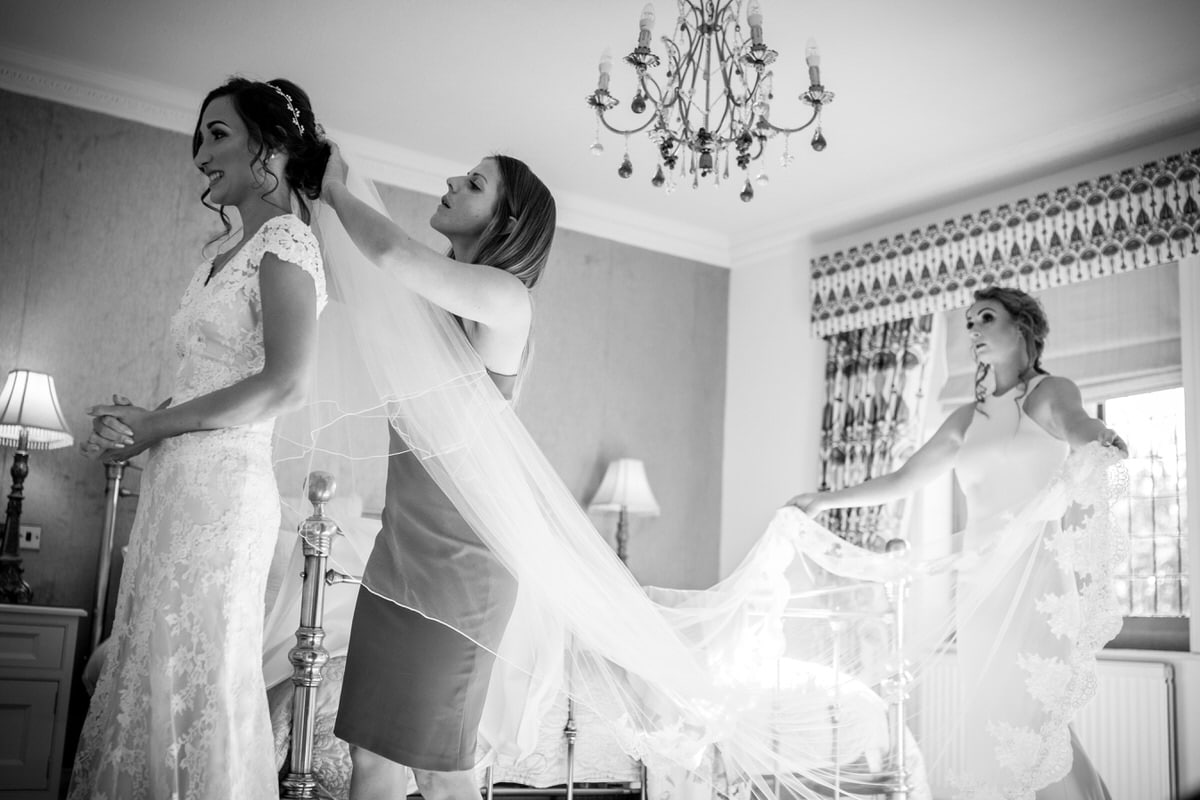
(714, 104)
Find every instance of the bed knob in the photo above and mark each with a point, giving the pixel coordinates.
(321, 486)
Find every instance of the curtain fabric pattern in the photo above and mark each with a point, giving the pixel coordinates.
(1140, 217)
(874, 381)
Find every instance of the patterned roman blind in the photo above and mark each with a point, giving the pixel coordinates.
(1138, 217)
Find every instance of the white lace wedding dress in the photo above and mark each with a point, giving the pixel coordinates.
(1027, 646)
(180, 710)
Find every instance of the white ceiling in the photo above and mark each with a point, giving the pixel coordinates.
(935, 98)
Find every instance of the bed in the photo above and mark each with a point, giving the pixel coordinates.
(575, 753)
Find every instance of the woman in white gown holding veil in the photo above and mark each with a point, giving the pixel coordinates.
(1026, 657)
(180, 709)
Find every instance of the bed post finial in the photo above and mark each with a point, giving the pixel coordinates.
(309, 655)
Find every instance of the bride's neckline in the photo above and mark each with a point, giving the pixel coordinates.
(216, 267)
(1020, 382)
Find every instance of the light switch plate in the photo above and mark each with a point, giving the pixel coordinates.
(31, 537)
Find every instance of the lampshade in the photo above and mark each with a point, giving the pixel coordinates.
(29, 403)
(625, 487)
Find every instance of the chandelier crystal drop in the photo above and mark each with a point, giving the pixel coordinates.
(713, 104)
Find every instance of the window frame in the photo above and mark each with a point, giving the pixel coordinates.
(1153, 632)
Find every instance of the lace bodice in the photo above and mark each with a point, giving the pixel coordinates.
(217, 330)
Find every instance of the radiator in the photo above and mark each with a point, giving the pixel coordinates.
(1128, 730)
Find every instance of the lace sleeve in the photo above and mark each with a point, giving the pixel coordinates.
(293, 241)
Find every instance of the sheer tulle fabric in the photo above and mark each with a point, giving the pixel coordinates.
(1031, 601)
(759, 670)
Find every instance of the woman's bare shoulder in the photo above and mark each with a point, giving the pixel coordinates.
(1053, 391)
(955, 426)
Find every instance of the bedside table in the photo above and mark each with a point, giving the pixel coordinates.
(37, 664)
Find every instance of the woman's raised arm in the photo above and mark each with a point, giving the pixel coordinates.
(934, 458)
(491, 297)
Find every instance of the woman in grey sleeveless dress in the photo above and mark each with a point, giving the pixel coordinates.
(414, 687)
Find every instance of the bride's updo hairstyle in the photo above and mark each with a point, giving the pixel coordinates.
(1030, 318)
(278, 117)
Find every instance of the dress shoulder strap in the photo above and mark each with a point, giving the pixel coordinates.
(1035, 382)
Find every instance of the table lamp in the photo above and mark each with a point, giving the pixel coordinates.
(30, 419)
(625, 490)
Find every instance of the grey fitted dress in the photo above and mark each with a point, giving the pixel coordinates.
(414, 688)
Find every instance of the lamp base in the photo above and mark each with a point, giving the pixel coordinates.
(623, 536)
(13, 588)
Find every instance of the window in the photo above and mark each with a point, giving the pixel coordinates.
(1153, 582)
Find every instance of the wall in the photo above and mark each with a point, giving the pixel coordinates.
(101, 228)
(99, 231)
(631, 361)
(774, 393)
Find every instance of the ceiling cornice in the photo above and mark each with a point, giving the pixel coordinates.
(130, 98)
(1162, 117)
(173, 109)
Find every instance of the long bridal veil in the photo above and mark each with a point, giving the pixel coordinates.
(766, 677)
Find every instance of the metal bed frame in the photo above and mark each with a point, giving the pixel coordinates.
(309, 657)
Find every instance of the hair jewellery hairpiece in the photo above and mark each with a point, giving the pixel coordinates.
(291, 107)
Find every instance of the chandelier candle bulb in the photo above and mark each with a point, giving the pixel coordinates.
(605, 70)
(755, 20)
(646, 26)
(812, 57)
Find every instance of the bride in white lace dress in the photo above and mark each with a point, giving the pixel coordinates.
(180, 709)
(1026, 646)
